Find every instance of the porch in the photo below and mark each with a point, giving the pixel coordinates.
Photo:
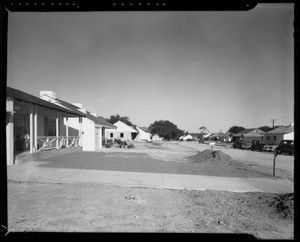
(35, 126)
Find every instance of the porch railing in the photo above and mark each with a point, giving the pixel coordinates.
(53, 142)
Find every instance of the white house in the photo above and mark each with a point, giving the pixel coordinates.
(93, 126)
(280, 133)
(186, 137)
(35, 128)
(143, 134)
(122, 131)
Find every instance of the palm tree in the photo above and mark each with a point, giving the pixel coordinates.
(203, 129)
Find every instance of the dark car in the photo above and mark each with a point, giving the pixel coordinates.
(286, 146)
(258, 145)
(240, 144)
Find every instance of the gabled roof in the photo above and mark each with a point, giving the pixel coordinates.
(144, 129)
(282, 130)
(25, 97)
(121, 126)
(98, 120)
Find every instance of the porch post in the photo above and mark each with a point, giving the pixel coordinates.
(35, 130)
(80, 131)
(67, 130)
(57, 130)
(100, 138)
(10, 138)
(31, 129)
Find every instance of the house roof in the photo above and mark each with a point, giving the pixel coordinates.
(282, 130)
(245, 131)
(121, 126)
(144, 129)
(25, 97)
(98, 120)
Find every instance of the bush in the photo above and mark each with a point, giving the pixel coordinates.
(109, 143)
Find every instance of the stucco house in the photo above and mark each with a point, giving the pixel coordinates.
(273, 137)
(143, 134)
(34, 126)
(250, 134)
(122, 131)
(93, 126)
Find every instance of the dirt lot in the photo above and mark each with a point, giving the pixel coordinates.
(107, 208)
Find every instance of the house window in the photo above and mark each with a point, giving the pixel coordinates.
(50, 126)
(122, 135)
(274, 137)
(111, 135)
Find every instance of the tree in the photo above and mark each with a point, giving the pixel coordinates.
(165, 129)
(265, 128)
(236, 129)
(115, 118)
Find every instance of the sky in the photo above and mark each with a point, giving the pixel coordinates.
(214, 69)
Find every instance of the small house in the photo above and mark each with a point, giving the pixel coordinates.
(123, 131)
(143, 134)
(93, 126)
(273, 137)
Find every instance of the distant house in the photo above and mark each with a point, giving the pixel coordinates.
(143, 134)
(34, 126)
(122, 131)
(281, 133)
(250, 134)
(93, 126)
(186, 137)
(156, 137)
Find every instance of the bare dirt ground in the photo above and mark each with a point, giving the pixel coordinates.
(107, 208)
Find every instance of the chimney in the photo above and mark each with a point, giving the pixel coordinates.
(94, 114)
(48, 93)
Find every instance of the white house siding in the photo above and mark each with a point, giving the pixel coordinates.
(289, 136)
(88, 132)
(9, 132)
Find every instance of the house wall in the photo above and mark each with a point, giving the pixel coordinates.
(88, 132)
(9, 138)
(117, 134)
(289, 136)
(273, 139)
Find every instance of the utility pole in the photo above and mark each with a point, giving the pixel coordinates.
(273, 121)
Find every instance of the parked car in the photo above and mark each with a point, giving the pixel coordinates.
(257, 145)
(269, 148)
(240, 144)
(286, 146)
